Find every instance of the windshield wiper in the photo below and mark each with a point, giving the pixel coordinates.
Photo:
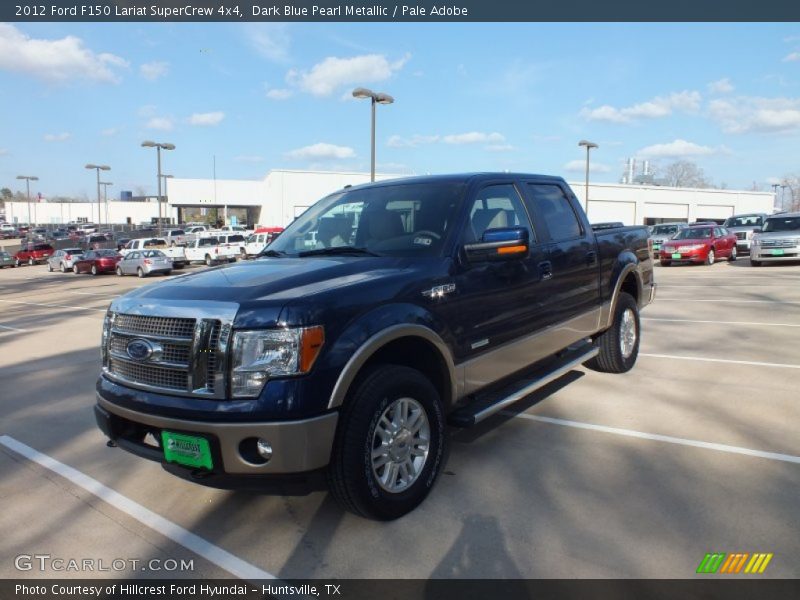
(271, 253)
(338, 250)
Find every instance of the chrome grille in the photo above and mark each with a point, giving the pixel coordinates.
(168, 379)
(773, 243)
(186, 354)
(213, 348)
(741, 235)
(164, 326)
(172, 353)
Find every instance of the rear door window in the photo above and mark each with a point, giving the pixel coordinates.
(554, 208)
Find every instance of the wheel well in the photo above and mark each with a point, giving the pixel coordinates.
(631, 286)
(418, 354)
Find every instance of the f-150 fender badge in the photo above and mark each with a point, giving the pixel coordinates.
(439, 291)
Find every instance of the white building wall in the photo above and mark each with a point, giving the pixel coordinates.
(64, 212)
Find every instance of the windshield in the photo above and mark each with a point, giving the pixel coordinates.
(153, 253)
(744, 221)
(782, 224)
(665, 230)
(407, 219)
(694, 233)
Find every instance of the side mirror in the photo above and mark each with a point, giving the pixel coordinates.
(505, 243)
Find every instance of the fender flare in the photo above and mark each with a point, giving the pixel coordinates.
(378, 341)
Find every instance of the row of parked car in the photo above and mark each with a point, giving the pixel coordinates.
(766, 238)
(142, 256)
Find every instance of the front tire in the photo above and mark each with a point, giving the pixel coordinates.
(710, 257)
(619, 344)
(119, 272)
(94, 270)
(734, 254)
(390, 443)
(75, 269)
(49, 268)
(209, 262)
(63, 268)
(31, 262)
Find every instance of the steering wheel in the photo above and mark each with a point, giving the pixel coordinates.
(429, 233)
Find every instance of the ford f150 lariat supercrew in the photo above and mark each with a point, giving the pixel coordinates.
(422, 301)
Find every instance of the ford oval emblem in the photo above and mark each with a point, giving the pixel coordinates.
(139, 349)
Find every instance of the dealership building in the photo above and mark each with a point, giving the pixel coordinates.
(284, 194)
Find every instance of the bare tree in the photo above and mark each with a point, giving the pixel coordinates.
(683, 173)
(789, 196)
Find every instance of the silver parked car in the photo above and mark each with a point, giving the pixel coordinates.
(745, 226)
(777, 241)
(63, 260)
(663, 232)
(144, 263)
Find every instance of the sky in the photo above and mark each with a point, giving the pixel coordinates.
(242, 99)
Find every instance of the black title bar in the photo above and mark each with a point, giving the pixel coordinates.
(387, 11)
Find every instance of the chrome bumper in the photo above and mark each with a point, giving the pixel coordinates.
(297, 446)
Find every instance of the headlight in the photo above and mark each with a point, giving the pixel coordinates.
(259, 355)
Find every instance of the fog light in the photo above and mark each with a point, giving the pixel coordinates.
(264, 449)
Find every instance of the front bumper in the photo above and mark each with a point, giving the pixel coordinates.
(698, 255)
(766, 254)
(297, 446)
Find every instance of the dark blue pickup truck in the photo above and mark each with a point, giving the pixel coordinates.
(381, 314)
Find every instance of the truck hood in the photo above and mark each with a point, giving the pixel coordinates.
(273, 279)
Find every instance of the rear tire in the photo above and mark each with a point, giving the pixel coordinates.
(391, 434)
(140, 273)
(119, 272)
(49, 268)
(63, 268)
(209, 262)
(734, 255)
(75, 269)
(619, 344)
(94, 270)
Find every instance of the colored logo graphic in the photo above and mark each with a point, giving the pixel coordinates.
(737, 562)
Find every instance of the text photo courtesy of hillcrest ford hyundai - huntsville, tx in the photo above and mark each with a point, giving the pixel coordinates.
(432, 308)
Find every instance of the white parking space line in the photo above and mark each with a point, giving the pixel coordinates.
(722, 322)
(729, 300)
(53, 305)
(658, 438)
(715, 285)
(212, 553)
(721, 360)
(92, 293)
(12, 328)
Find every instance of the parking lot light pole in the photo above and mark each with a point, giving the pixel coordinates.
(588, 145)
(105, 185)
(28, 179)
(159, 146)
(375, 98)
(98, 168)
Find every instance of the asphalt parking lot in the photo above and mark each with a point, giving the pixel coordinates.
(633, 476)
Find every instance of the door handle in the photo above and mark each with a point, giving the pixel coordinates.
(591, 258)
(546, 269)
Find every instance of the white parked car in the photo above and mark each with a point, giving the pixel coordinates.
(210, 251)
(175, 237)
(234, 240)
(176, 253)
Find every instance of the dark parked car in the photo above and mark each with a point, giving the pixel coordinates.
(96, 262)
(32, 253)
(424, 299)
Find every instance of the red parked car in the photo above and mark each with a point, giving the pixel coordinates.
(699, 244)
(33, 254)
(96, 262)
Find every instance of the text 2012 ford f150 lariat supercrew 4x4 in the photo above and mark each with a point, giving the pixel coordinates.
(422, 300)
